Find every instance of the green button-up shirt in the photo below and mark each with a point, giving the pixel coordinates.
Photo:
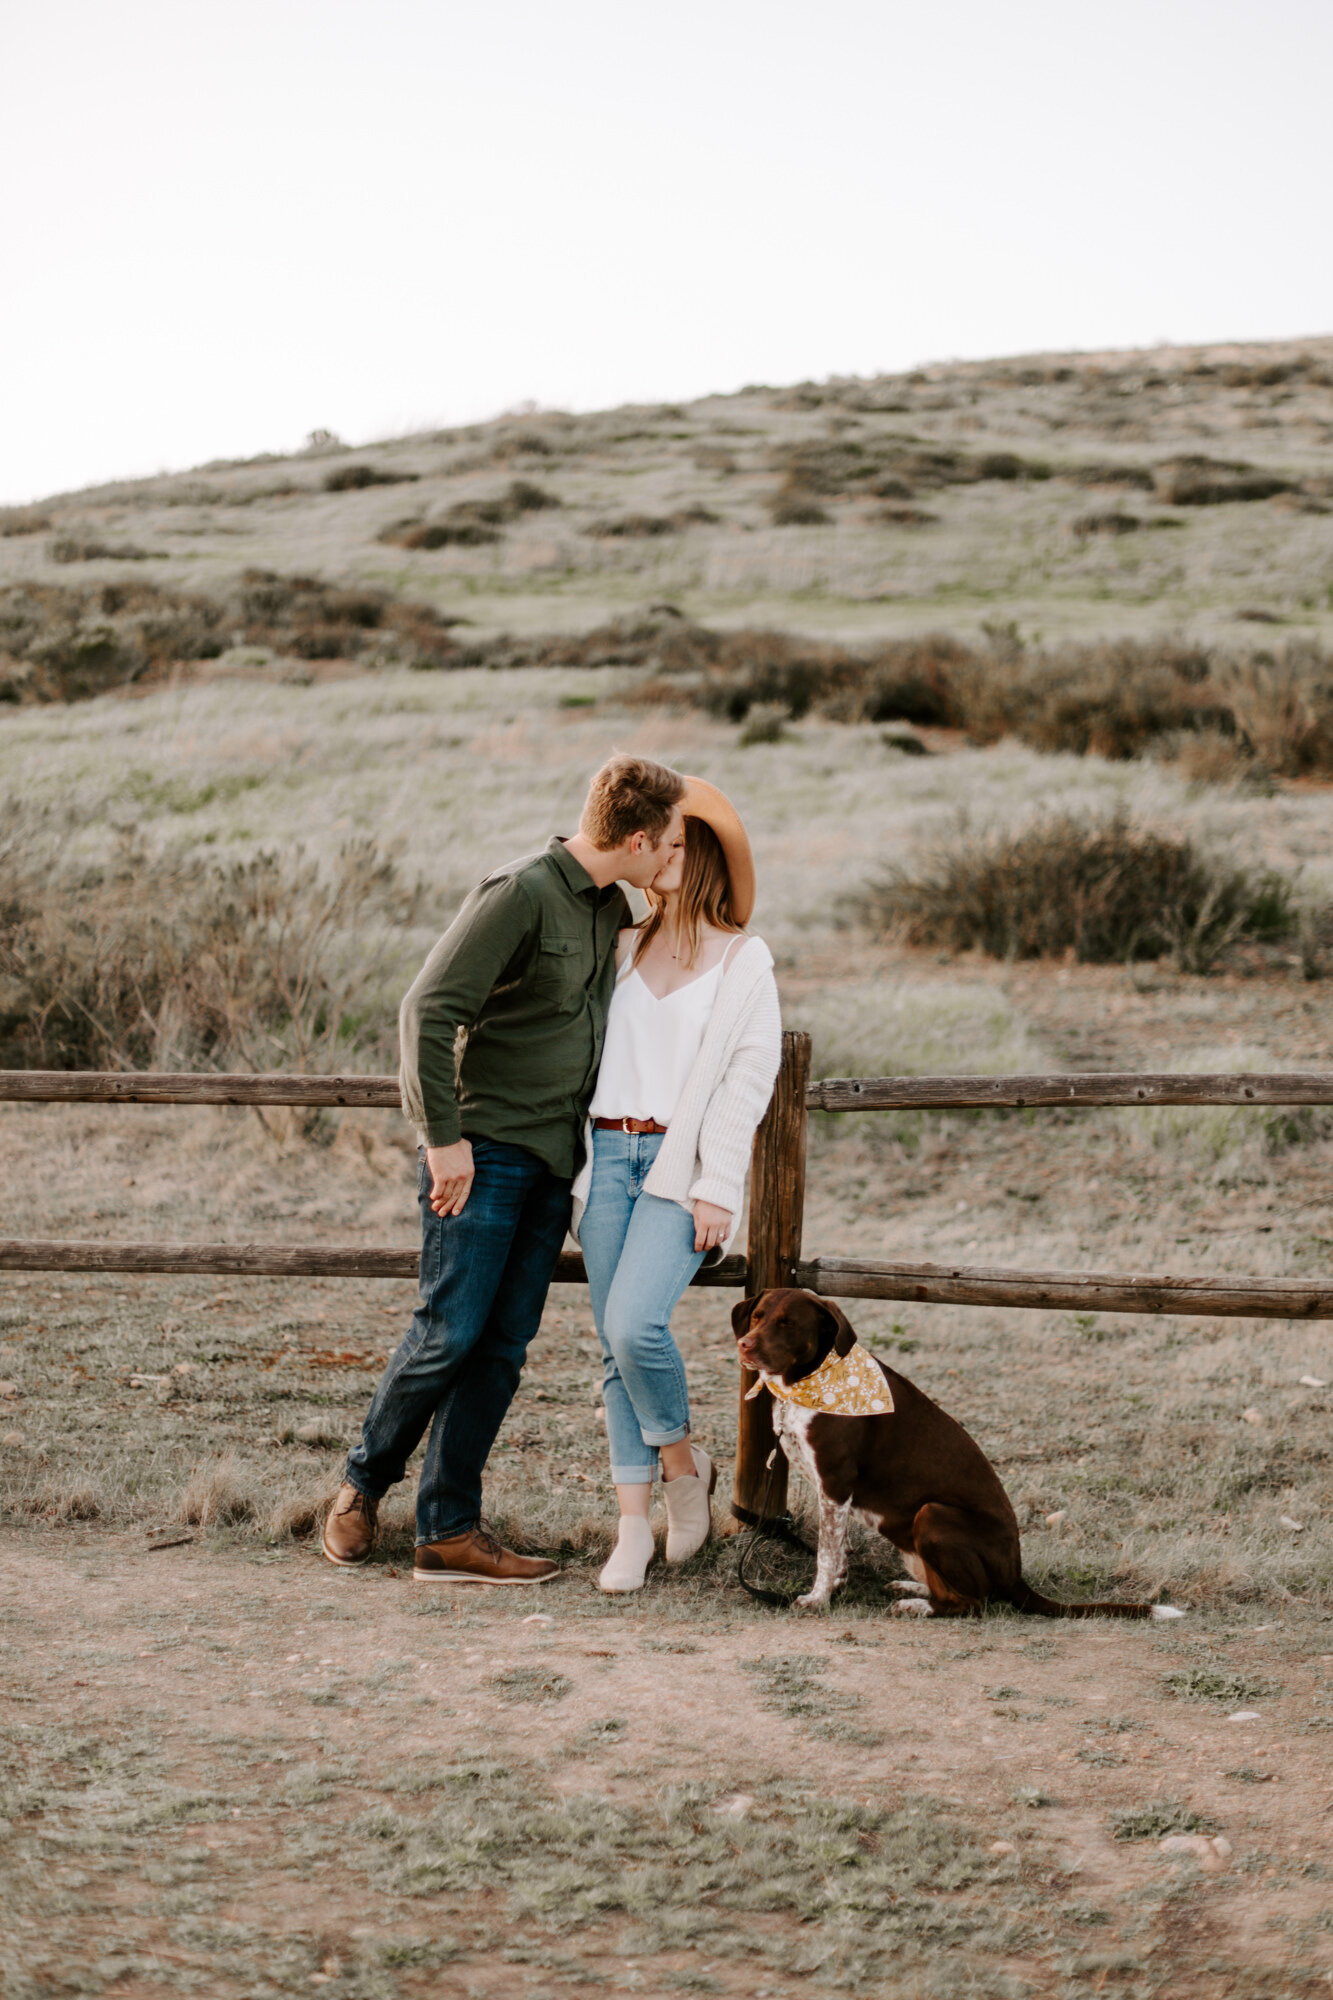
(501, 1032)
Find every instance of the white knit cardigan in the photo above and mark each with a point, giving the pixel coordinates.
(705, 1155)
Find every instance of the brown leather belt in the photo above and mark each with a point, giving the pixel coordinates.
(627, 1125)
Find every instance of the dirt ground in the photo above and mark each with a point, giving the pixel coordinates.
(227, 1767)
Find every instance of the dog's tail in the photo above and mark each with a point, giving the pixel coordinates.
(1024, 1598)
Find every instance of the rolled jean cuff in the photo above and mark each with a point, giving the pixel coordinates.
(633, 1475)
(658, 1438)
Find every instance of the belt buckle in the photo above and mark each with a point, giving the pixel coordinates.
(627, 1127)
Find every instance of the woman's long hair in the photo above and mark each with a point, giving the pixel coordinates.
(704, 897)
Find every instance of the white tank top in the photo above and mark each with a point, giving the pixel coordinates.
(651, 1045)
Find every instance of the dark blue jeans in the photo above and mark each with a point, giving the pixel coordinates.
(484, 1279)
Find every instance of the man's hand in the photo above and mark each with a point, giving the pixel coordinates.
(711, 1225)
(451, 1172)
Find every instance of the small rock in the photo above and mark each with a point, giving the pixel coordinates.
(9, 1388)
(735, 1806)
(1222, 1846)
(15, 1440)
(540, 1618)
(1245, 1715)
(1002, 1847)
(1314, 1382)
(183, 1368)
(1054, 1520)
(1251, 1416)
(1297, 1527)
(148, 1381)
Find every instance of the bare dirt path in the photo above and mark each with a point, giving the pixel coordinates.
(242, 1772)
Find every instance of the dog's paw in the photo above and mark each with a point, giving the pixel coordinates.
(913, 1607)
(812, 1601)
(907, 1586)
(1165, 1611)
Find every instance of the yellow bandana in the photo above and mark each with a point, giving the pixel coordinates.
(843, 1385)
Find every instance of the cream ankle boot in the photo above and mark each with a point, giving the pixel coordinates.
(628, 1563)
(689, 1514)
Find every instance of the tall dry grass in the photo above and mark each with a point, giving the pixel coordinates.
(171, 959)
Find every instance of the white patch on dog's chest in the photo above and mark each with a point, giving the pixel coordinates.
(792, 1423)
(793, 1428)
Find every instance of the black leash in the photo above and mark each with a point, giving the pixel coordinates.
(773, 1529)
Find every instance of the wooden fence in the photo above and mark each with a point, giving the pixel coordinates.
(774, 1251)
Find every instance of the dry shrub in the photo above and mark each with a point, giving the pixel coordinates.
(1196, 481)
(1110, 523)
(87, 548)
(1106, 700)
(66, 643)
(1106, 891)
(308, 619)
(471, 523)
(72, 1503)
(904, 517)
(179, 961)
(298, 1516)
(620, 527)
(798, 510)
(1101, 473)
(1215, 757)
(891, 467)
(219, 1495)
(23, 521)
(353, 478)
(1283, 706)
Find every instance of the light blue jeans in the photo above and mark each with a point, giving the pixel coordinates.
(640, 1255)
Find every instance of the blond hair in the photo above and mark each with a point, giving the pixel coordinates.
(704, 898)
(630, 795)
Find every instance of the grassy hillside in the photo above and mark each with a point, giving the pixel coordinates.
(1188, 490)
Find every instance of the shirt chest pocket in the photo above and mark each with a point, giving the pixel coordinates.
(558, 976)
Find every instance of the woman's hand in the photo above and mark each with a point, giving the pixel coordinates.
(711, 1225)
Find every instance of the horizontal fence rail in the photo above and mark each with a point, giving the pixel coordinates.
(271, 1260)
(830, 1277)
(73, 1086)
(854, 1093)
(1076, 1291)
(1089, 1087)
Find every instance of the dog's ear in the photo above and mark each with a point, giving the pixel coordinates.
(742, 1313)
(844, 1333)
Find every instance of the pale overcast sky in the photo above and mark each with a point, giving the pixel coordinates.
(226, 224)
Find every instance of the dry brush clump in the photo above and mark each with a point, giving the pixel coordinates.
(355, 478)
(175, 960)
(66, 643)
(1106, 891)
(1116, 698)
(470, 523)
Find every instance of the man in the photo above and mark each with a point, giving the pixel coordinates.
(524, 976)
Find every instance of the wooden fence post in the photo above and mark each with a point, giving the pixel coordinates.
(777, 1207)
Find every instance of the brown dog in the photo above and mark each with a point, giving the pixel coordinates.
(909, 1471)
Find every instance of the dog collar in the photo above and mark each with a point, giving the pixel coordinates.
(843, 1385)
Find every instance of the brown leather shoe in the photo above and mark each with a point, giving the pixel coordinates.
(476, 1557)
(349, 1529)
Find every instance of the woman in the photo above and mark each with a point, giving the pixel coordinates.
(693, 1042)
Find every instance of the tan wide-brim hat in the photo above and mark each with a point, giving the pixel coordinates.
(704, 801)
